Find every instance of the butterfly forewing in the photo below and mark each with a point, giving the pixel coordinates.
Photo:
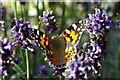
(72, 37)
(74, 32)
(41, 38)
(54, 48)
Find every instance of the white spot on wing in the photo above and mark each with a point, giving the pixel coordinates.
(78, 29)
(74, 26)
(80, 21)
(81, 26)
(80, 33)
(45, 59)
(36, 36)
(37, 32)
(82, 30)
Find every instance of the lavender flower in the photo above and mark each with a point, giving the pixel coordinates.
(42, 71)
(5, 56)
(22, 34)
(99, 25)
(99, 21)
(49, 22)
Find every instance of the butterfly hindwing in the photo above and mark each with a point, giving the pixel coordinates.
(51, 46)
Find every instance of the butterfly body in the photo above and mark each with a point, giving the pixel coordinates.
(56, 51)
(61, 49)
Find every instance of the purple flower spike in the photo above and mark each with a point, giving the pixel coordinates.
(49, 22)
(6, 45)
(9, 46)
(6, 48)
(22, 34)
(43, 72)
(99, 21)
(42, 67)
(6, 40)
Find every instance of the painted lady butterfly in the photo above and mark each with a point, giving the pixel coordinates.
(61, 49)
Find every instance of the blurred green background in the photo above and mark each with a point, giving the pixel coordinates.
(66, 13)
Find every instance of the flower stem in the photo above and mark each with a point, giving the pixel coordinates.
(17, 69)
(38, 14)
(15, 9)
(63, 17)
(23, 12)
(60, 77)
(43, 5)
(23, 59)
(3, 77)
(27, 64)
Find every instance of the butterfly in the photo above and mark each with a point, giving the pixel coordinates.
(61, 49)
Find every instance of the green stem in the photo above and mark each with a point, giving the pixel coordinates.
(23, 59)
(60, 77)
(38, 14)
(43, 5)
(17, 69)
(15, 9)
(3, 77)
(23, 12)
(63, 17)
(27, 64)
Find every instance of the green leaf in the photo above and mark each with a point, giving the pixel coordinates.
(18, 69)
